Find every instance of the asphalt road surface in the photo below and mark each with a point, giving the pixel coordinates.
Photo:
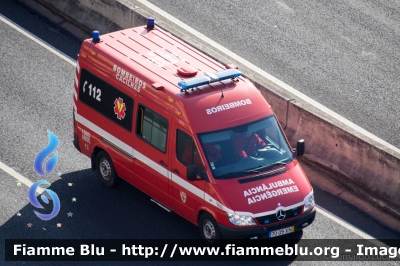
(343, 54)
(36, 88)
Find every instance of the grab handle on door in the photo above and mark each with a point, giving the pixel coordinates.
(175, 171)
(162, 163)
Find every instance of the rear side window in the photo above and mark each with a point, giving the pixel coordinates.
(152, 128)
(105, 99)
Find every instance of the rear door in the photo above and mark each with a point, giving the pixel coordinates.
(104, 110)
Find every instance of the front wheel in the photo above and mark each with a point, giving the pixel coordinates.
(105, 170)
(208, 227)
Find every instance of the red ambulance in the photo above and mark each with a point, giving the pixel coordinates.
(193, 134)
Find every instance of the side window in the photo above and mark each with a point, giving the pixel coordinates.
(152, 128)
(187, 152)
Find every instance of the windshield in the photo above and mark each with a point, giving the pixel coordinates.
(246, 149)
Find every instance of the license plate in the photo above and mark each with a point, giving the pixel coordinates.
(282, 231)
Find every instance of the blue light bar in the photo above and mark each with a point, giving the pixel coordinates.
(208, 78)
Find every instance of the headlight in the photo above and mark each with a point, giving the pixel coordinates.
(309, 202)
(240, 220)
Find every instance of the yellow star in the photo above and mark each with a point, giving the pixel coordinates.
(29, 225)
(19, 184)
(73, 199)
(70, 184)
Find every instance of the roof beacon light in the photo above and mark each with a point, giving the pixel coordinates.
(208, 78)
(96, 36)
(150, 23)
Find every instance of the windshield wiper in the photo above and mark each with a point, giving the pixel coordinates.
(246, 171)
(268, 164)
(262, 176)
(231, 173)
(252, 171)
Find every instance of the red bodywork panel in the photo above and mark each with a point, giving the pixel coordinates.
(132, 60)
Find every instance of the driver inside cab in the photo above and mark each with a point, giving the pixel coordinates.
(247, 144)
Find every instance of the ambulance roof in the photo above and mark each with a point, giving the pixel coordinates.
(162, 60)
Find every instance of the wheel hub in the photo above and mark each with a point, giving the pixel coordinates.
(209, 230)
(105, 169)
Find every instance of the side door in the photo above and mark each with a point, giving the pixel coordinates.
(187, 195)
(151, 151)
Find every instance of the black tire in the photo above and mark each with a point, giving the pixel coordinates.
(209, 229)
(106, 171)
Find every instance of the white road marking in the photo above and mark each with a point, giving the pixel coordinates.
(350, 227)
(268, 76)
(343, 223)
(55, 51)
(320, 210)
(19, 177)
(285, 6)
(37, 40)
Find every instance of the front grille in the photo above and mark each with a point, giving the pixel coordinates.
(270, 219)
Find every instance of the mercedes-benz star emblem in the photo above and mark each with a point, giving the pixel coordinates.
(280, 215)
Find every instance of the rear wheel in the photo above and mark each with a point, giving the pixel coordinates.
(208, 227)
(105, 170)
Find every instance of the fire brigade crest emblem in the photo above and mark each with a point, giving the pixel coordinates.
(183, 196)
(119, 108)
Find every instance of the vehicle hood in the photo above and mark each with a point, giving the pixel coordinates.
(266, 191)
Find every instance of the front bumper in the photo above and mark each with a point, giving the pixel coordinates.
(262, 231)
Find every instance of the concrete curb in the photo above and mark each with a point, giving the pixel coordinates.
(325, 180)
(359, 159)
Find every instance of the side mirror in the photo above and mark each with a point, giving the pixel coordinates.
(300, 147)
(191, 172)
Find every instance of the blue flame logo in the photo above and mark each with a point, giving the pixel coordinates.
(34, 201)
(39, 159)
(50, 165)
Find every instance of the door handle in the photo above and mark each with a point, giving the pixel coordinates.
(162, 163)
(174, 170)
